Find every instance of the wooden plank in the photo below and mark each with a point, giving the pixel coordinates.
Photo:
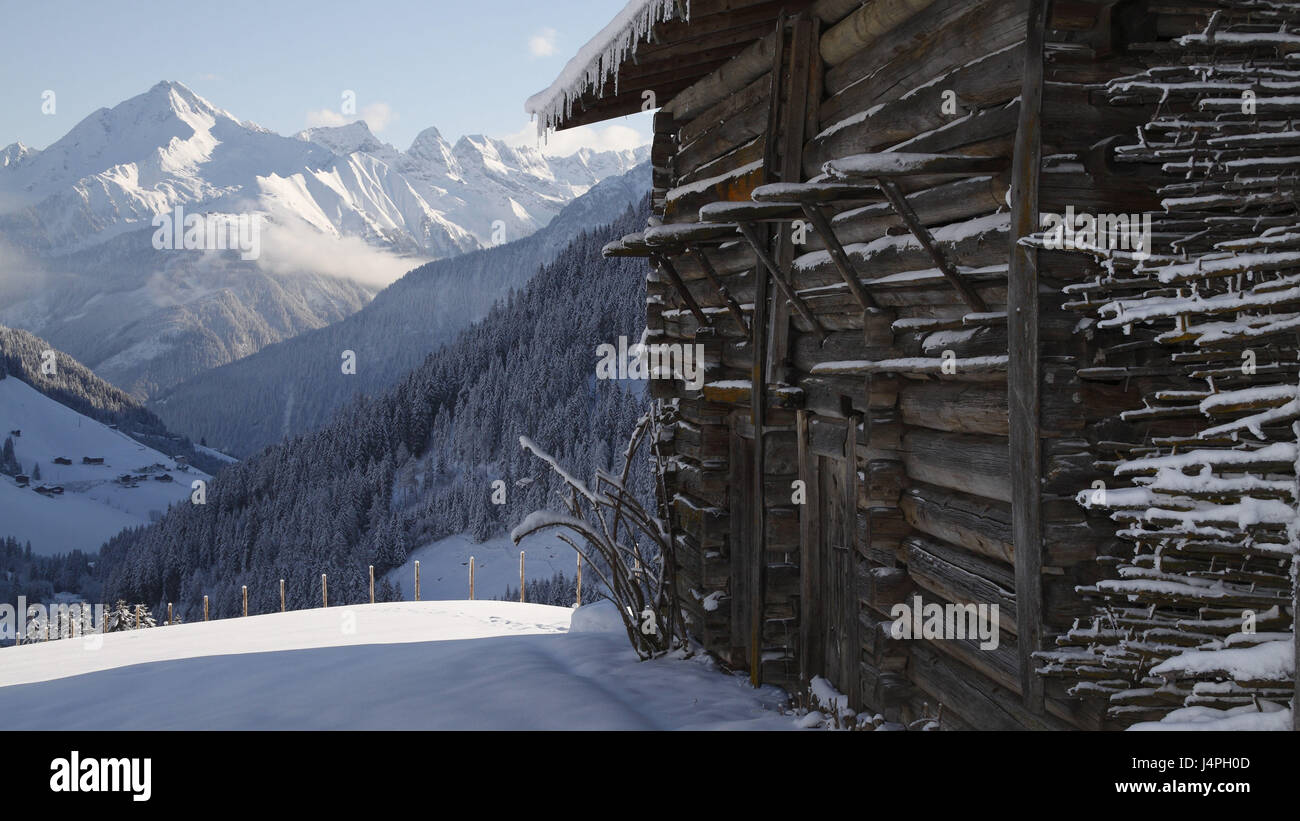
(788, 139)
(1022, 374)
(739, 544)
(811, 657)
(848, 566)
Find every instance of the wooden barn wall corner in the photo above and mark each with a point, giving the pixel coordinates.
(1023, 367)
(758, 397)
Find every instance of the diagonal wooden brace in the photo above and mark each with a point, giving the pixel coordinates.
(711, 274)
(787, 290)
(838, 255)
(923, 236)
(673, 277)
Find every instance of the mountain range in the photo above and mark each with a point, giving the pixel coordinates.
(340, 214)
(295, 386)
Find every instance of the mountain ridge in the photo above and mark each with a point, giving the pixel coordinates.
(341, 214)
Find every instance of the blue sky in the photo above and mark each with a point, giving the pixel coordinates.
(464, 67)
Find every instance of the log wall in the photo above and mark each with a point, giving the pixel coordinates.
(888, 485)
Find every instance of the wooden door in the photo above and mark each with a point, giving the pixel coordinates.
(829, 556)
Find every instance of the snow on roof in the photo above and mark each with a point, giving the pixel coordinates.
(599, 60)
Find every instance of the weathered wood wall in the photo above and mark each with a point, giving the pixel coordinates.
(906, 469)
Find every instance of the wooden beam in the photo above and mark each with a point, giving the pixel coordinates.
(838, 255)
(711, 274)
(685, 293)
(797, 76)
(923, 236)
(750, 232)
(1023, 366)
(812, 659)
(758, 396)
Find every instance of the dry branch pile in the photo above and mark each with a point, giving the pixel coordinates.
(1207, 320)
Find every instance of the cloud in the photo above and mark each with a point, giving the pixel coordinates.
(21, 276)
(609, 137)
(377, 115)
(294, 247)
(542, 44)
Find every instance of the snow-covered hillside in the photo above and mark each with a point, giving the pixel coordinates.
(410, 665)
(94, 504)
(444, 566)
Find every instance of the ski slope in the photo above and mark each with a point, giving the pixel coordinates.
(94, 506)
(451, 665)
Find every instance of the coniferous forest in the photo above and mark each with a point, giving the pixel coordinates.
(393, 471)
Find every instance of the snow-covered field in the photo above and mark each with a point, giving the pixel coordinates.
(408, 665)
(94, 506)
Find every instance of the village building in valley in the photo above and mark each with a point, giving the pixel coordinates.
(998, 303)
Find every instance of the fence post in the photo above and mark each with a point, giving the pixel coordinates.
(169, 613)
(417, 579)
(324, 591)
(245, 600)
(281, 595)
(137, 623)
(521, 577)
(579, 602)
(471, 578)
(372, 584)
(205, 608)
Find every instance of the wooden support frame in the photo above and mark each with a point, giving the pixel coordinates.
(750, 232)
(796, 74)
(711, 274)
(838, 255)
(904, 210)
(1023, 386)
(661, 262)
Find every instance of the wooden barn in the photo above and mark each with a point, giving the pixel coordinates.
(908, 384)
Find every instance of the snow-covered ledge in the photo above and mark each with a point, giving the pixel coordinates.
(598, 61)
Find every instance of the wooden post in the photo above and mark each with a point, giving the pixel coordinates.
(281, 595)
(245, 594)
(137, 623)
(372, 584)
(811, 635)
(205, 608)
(579, 601)
(471, 578)
(169, 612)
(521, 577)
(417, 579)
(1295, 639)
(762, 369)
(324, 591)
(1023, 365)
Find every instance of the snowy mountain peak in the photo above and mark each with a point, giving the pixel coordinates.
(120, 166)
(429, 146)
(346, 139)
(15, 153)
